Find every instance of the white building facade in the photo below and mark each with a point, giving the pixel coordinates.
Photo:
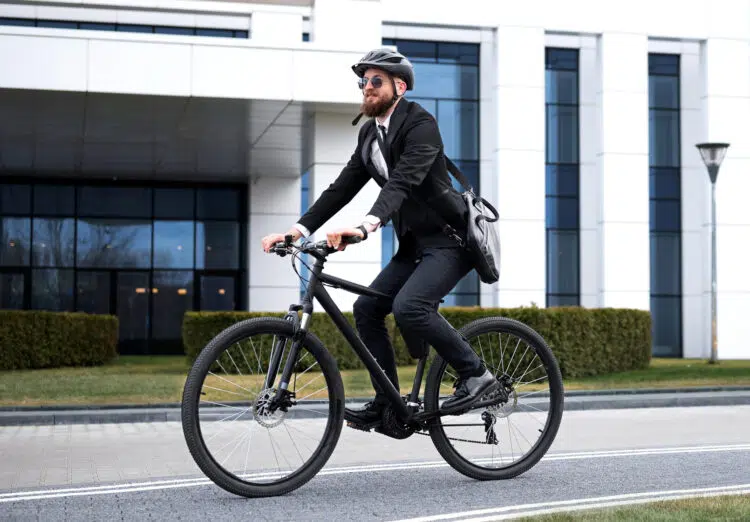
(136, 121)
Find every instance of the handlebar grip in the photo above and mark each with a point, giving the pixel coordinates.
(349, 240)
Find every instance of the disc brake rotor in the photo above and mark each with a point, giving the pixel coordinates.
(262, 414)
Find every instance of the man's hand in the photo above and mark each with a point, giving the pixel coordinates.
(271, 239)
(334, 237)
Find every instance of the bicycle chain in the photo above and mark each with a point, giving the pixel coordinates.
(454, 438)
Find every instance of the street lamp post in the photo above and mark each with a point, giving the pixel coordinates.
(713, 154)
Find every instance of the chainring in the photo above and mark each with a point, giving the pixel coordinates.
(392, 426)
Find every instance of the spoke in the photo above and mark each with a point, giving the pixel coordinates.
(247, 453)
(519, 384)
(223, 405)
(294, 444)
(230, 382)
(313, 393)
(297, 407)
(526, 371)
(520, 360)
(309, 383)
(224, 427)
(225, 391)
(260, 367)
(235, 364)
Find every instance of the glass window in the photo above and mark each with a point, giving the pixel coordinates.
(666, 326)
(133, 311)
(15, 199)
(225, 33)
(562, 180)
(55, 24)
(562, 268)
(665, 183)
(562, 59)
(21, 22)
(120, 202)
(664, 92)
(114, 243)
(96, 27)
(470, 169)
(217, 245)
(387, 248)
(217, 292)
(243, 34)
(427, 104)
(562, 300)
(11, 291)
(468, 286)
(54, 242)
(174, 203)
(135, 28)
(438, 80)
(305, 37)
(218, 203)
(172, 296)
(54, 200)
(562, 87)
(664, 64)
(173, 244)
(459, 126)
(665, 216)
(562, 212)
(664, 138)
(52, 289)
(93, 292)
(463, 53)
(15, 241)
(174, 30)
(416, 51)
(562, 134)
(665, 263)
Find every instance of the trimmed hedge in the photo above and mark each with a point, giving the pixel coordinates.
(36, 339)
(586, 342)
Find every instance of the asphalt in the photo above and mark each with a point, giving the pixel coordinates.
(574, 400)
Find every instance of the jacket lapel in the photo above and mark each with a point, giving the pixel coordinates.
(397, 120)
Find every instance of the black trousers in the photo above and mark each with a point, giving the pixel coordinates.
(417, 284)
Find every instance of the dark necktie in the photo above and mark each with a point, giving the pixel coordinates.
(381, 144)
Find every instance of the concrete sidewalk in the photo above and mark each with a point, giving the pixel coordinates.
(574, 400)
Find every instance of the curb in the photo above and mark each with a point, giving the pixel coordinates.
(579, 400)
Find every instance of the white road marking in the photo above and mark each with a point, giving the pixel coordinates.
(135, 487)
(541, 508)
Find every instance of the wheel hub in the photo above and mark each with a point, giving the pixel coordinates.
(262, 413)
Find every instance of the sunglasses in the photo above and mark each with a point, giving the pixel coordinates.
(376, 81)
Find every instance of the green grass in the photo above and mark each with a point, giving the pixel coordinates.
(725, 508)
(159, 379)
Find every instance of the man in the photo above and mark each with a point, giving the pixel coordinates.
(407, 161)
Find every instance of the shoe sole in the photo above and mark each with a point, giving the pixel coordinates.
(466, 406)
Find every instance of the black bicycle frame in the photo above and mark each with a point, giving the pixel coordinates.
(316, 289)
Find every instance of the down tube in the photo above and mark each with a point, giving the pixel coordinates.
(372, 365)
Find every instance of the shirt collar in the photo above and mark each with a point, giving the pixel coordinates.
(385, 123)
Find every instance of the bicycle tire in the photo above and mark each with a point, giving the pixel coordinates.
(191, 398)
(432, 389)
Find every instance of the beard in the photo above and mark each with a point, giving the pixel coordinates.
(376, 106)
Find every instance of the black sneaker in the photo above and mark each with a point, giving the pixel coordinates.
(366, 418)
(468, 390)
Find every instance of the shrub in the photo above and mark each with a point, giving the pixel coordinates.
(36, 339)
(585, 341)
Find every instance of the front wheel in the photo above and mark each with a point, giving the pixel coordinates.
(238, 438)
(507, 437)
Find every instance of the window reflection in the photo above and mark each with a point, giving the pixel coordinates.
(217, 245)
(93, 290)
(15, 199)
(173, 244)
(114, 243)
(172, 296)
(52, 289)
(562, 275)
(54, 200)
(54, 242)
(118, 202)
(458, 126)
(15, 235)
(438, 80)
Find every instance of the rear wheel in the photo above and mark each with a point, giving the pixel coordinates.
(237, 440)
(505, 439)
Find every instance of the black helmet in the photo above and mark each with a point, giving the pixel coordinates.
(392, 62)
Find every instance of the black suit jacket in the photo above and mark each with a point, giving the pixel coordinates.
(418, 191)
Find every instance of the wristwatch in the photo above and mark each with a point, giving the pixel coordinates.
(364, 231)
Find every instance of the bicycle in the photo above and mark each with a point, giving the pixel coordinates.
(279, 403)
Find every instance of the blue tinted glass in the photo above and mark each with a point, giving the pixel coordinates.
(663, 92)
(173, 298)
(174, 30)
(438, 80)
(15, 241)
(470, 169)
(461, 299)
(218, 203)
(664, 64)
(416, 51)
(562, 180)
(134, 28)
(217, 245)
(241, 34)
(54, 200)
(114, 243)
(665, 215)
(387, 244)
(225, 33)
(561, 59)
(562, 134)
(114, 201)
(174, 203)
(57, 24)
(664, 138)
(562, 213)
(305, 37)
(459, 126)
(54, 242)
(17, 22)
(665, 263)
(666, 325)
(305, 192)
(173, 244)
(562, 300)
(665, 183)
(15, 199)
(562, 87)
(467, 289)
(52, 290)
(467, 54)
(562, 262)
(89, 26)
(430, 105)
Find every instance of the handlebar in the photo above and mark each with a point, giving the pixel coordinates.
(317, 249)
